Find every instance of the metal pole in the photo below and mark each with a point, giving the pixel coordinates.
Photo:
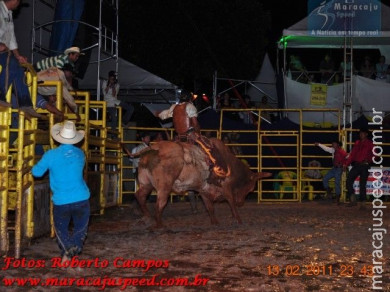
(284, 57)
(215, 90)
(99, 51)
(117, 36)
(284, 78)
(277, 59)
(32, 32)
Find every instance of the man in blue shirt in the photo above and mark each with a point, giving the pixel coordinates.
(70, 192)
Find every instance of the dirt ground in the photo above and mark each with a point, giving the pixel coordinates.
(310, 246)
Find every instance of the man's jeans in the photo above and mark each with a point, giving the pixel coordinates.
(335, 173)
(127, 112)
(362, 171)
(71, 243)
(15, 77)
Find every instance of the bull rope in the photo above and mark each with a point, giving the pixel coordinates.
(217, 169)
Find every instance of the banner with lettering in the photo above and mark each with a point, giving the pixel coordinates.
(318, 94)
(378, 179)
(357, 18)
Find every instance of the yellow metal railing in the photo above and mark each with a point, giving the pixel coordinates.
(103, 153)
(286, 166)
(21, 183)
(272, 143)
(5, 161)
(326, 134)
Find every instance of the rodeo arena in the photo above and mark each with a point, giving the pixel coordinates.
(234, 202)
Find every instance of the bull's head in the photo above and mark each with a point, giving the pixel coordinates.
(254, 177)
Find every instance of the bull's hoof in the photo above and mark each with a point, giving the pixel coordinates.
(214, 222)
(145, 220)
(157, 227)
(236, 220)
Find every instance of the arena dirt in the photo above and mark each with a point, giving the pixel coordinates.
(310, 246)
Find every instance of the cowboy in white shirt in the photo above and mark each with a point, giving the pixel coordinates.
(10, 59)
(7, 34)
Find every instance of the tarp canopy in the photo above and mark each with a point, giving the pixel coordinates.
(136, 84)
(299, 96)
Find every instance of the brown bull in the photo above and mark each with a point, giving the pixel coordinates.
(179, 167)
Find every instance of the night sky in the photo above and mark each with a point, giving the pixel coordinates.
(185, 41)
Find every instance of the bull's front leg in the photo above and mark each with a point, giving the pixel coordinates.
(209, 207)
(141, 195)
(234, 210)
(161, 202)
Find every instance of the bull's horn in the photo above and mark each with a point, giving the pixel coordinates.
(140, 152)
(261, 175)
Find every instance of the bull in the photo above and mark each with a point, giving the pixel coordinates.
(179, 167)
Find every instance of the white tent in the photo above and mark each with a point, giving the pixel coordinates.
(136, 84)
(264, 84)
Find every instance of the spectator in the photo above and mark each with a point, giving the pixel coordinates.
(70, 56)
(10, 60)
(160, 136)
(361, 158)
(247, 116)
(382, 69)
(70, 192)
(346, 66)
(236, 150)
(265, 115)
(227, 142)
(110, 89)
(224, 102)
(295, 63)
(227, 103)
(367, 69)
(296, 69)
(314, 173)
(209, 134)
(327, 70)
(145, 140)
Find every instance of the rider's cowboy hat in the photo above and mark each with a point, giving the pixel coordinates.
(73, 50)
(66, 133)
